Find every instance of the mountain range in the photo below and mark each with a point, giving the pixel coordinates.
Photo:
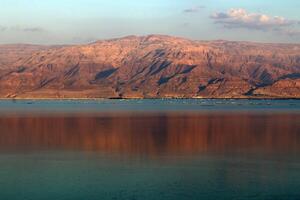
(154, 66)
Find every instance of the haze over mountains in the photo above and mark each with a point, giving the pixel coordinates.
(153, 66)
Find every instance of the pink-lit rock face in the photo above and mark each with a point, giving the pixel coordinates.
(153, 67)
(9, 54)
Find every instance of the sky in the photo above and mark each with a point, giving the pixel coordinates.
(84, 21)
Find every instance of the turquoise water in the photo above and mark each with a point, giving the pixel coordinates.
(150, 149)
(149, 105)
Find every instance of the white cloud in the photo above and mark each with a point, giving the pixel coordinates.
(3, 28)
(27, 29)
(294, 33)
(22, 29)
(240, 18)
(193, 9)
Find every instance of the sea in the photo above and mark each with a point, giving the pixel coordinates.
(151, 149)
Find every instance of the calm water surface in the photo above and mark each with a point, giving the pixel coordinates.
(151, 149)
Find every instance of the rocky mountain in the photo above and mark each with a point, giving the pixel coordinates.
(154, 66)
(11, 53)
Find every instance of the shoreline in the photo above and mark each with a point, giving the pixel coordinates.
(95, 99)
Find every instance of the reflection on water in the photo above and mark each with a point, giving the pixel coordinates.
(154, 134)
(150, 156)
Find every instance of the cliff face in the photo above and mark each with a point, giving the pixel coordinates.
(9, 54)
(156, 66)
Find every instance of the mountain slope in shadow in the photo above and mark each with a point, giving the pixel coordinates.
(155, 66)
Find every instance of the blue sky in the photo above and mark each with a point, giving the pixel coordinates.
(81, 21)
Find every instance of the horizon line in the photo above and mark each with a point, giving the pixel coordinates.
(149, 35)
